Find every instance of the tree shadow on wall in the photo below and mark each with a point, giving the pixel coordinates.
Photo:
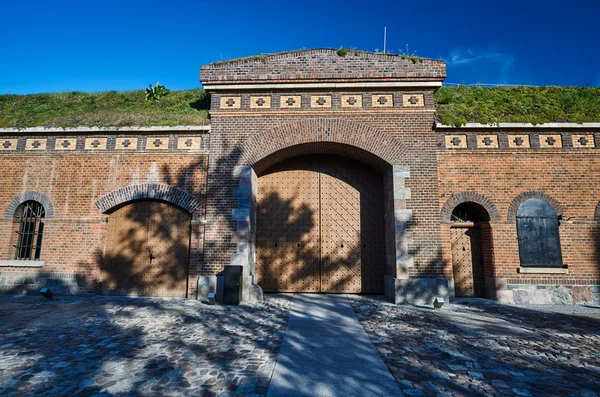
(147, 250)
(320, 230)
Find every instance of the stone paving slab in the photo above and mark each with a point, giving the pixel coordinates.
(138, 347)
(345, 386)
(458, 351)
(320, 357)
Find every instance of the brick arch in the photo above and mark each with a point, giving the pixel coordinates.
(517, 201)
(468, 196)
(597, 212)
(153, 191)
(30, 195)
(326, 135)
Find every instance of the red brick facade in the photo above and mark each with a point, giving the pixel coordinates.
(377, 109)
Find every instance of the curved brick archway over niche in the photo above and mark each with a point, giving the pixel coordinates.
(30, 195)
(597, 212)
(322, 135)
(468, 196)
(517, 201)
(152, 191)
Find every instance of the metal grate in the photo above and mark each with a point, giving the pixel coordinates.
(31, 228)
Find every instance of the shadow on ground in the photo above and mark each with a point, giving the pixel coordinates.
(137, 346)
(485, 350)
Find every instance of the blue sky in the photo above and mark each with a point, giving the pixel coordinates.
(62, 45)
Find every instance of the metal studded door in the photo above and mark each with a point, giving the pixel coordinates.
(352, 248)
(320, 227)
(287, 245)
(147, 250)
(467, 264)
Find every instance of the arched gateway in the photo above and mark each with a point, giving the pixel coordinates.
(322, 174)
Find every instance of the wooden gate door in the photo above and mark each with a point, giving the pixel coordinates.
(352, 248)
(320, 227)
(287, 246)
(467, 263)
(147, 250)
(169, 246)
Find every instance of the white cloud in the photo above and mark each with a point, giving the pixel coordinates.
(497, 63)
(465, 56)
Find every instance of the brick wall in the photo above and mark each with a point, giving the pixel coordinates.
(74, 237)
(567, 177)
(321, 65)
(412, 128)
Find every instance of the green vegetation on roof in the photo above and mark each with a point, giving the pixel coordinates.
(106, 109)
(456, 105)
(459, 105)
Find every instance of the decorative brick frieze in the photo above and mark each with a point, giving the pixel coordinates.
(413, 100)
(157, 143)
(456, 141)
(189, 142)
(320, 101)
(128, 143)
(351, 101)
(487, 141)
(230, 102)
(8, 145)
(550, 141)
(382, 100)
(290, 102)
(35, 144)
(518, 141)
(260, 102)
(583, 141)
(65, 144)
(95, 143)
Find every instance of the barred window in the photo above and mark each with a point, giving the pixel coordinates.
(537, 231)
(30, 229)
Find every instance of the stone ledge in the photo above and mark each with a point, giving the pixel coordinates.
(18, 263)
(542, 270)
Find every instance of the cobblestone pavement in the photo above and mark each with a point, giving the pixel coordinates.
(146, 346)
(491, 349)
